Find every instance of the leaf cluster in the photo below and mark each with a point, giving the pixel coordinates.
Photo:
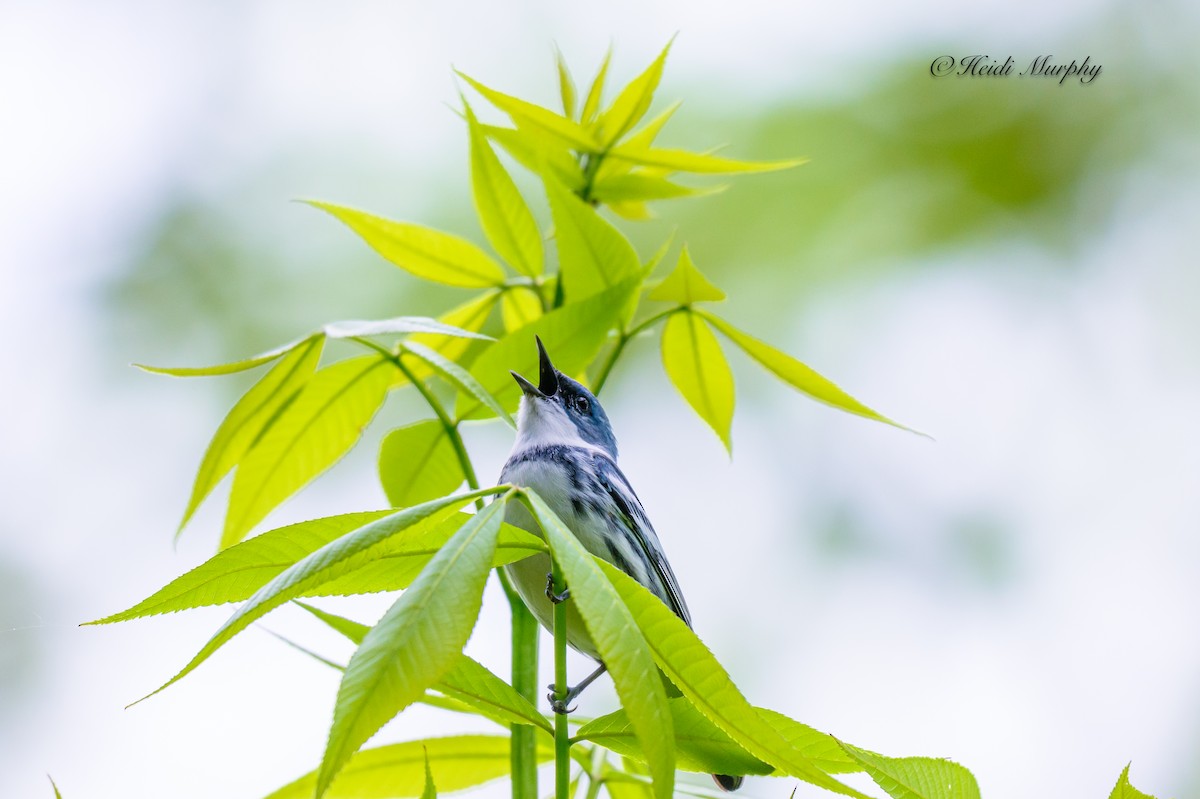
(586, 304)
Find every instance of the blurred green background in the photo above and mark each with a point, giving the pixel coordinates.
(1007, 263)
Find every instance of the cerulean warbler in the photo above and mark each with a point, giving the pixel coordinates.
(566, 452)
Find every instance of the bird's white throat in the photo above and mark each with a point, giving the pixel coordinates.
(544, 422)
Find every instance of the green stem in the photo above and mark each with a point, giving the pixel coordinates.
(650, 321)
(523, 753)
(589, 175)
(623, 339)
(562, 735)
(382, 350)
(609, 362)
(448, 424)
(590, 167)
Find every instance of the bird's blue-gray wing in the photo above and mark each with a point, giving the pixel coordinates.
(641, 534)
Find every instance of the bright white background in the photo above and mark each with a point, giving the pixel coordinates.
(1064, 408)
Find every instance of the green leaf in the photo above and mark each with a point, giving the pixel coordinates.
(417, 463)
(797, 374)
(415, 643)
(401, 324)
(430, 790)
(401, 560)
(686, 284)
(468, 681)
(1124, 790)
(353, 631)
(694, 362)
(645, 137)
(620, 785)
(251, 416)
(619, 641)
(472, 683)
(234, 574)
(318, 427)
(647, 270)
(634, 301)
(225, 368)
(396, 771)
(538, 152)
(520, 306)
(591, 105)
(683, 161)
(573, 335)
(435, 699)
(634, 100)
(57, 795)
(524, 113)
(633, 211)
(333, 664)
(690, 665)
(640, 140)
(659, 255)
(916, 777)
(700, 746)
(592, 254)
(566, 86)
(460, 378)
(471, 315)
(642, 187)
(325, 565)
(506, 219)
(346, 329)
(422, 251)
(821, 748)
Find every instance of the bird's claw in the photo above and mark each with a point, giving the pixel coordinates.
(553, 597)
(559, 706)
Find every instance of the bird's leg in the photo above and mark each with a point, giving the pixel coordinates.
(553, 597)
(560, 705)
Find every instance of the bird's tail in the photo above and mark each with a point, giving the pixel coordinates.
(726, 782)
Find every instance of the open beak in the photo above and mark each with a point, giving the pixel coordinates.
(547, 377)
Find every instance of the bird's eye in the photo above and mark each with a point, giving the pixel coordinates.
(581, 404)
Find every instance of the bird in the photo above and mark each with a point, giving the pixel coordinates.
(566, 451)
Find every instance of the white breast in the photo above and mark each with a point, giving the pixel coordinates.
(528, 576)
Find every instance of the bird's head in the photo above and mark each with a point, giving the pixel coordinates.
(559, 410)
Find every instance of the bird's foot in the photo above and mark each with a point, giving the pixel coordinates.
(560, 706)
(553, 597)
